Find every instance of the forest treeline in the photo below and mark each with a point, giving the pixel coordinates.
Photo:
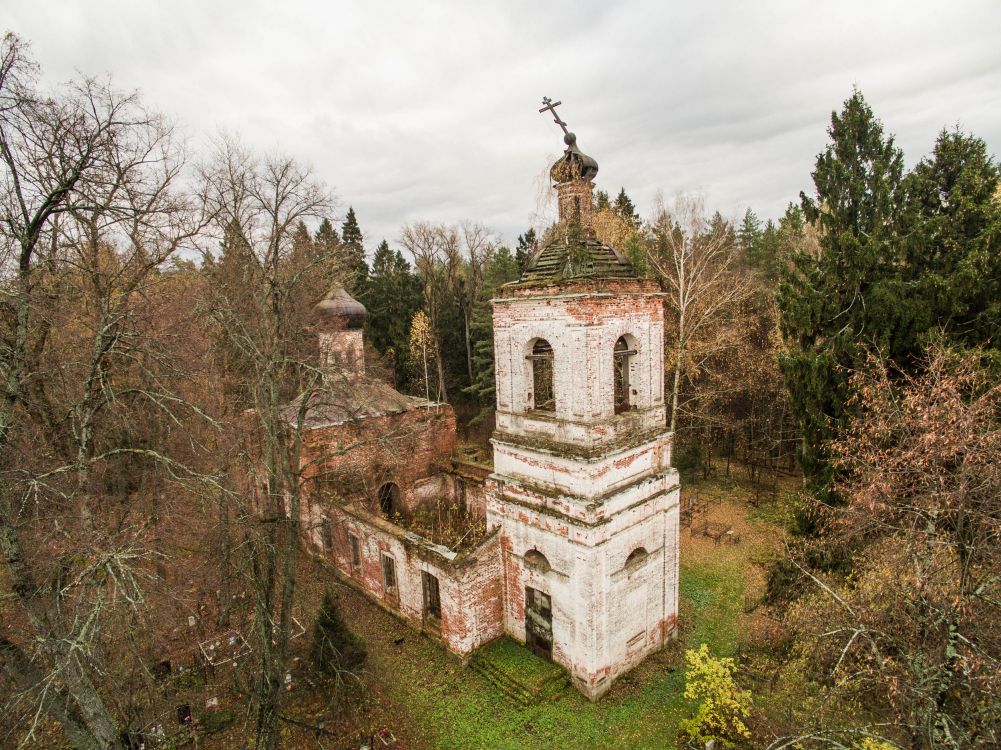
(149, 305)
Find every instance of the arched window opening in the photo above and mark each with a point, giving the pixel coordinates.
(637, 557)
(622, 355)
(536, 560)
(389, 499)
(543, 394)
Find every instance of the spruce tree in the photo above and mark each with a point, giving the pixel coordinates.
(500, 269)
(848, 299)
(625, 208)
(392, 295)
(335, 648)
(354, 253)
(527, 245)
(326, 237)
(749, 235)
(951, 232)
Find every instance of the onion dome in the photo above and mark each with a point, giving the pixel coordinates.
(339, 311)
(573, 165)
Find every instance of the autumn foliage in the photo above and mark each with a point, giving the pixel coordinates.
(912, 636)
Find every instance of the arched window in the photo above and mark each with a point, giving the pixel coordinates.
(389, 499)
(543, 394)
(537, 560)
(637, 557)
(622, 354)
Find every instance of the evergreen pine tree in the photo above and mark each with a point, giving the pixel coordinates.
(392, 295)
(500, 269)
(354, 253)
(237, 272)
(601, 200)
(749, 235)
(951, 232)
(527, 245)
(625, 208)
(847, 298)
(335, 648)
(326, 237)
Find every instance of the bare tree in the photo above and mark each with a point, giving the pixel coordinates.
(478, 246)
(90, 214)
(259, 203)
(694, 259)
(436, 252)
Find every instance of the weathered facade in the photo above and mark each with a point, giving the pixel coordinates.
(570, 545)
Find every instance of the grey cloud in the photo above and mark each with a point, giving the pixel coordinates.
(428, 110)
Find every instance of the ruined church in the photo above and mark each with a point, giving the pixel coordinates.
(568, 542)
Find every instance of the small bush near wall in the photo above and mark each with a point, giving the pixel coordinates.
(335, 648)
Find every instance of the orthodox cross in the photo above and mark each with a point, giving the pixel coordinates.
(550, 106)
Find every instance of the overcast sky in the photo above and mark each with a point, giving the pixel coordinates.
(423, 110)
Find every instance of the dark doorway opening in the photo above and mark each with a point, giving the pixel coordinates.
(389, 499)
(538, 623)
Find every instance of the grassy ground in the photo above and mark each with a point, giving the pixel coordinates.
(439, 704)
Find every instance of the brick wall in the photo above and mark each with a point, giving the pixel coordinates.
(470, 585)
(354, 459)
(589, 492)
(343, 352)
(582, 331)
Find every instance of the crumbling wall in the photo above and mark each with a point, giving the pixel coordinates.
(578, 328)
(469, 586)
(355, 458)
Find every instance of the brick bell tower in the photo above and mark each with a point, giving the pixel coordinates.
(583, 490)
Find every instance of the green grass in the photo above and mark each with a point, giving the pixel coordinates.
(459, 710)
(781, 512)
(517, 662)
(715, 594)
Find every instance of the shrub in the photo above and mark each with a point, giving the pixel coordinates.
(335, 648)
(216, 721)
(722, 708)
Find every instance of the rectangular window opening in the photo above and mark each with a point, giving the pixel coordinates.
(389, 574)
(355, 550)
(432, 597)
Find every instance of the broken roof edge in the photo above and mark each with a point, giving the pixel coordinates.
(579, 286)
(414, 541)
(352, 400)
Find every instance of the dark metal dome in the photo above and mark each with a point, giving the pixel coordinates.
(339, 311)
(574, 164)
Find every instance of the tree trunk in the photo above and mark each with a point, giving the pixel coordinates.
(90, 708)
(21, 671)
(440, 362)
(469, 349)
(225, 562)
(676, 389)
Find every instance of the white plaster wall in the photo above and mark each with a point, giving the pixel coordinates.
(583, 352)
(430, 491)
(584, 486)
(583, 479)
(597, 601)
(471, 612)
